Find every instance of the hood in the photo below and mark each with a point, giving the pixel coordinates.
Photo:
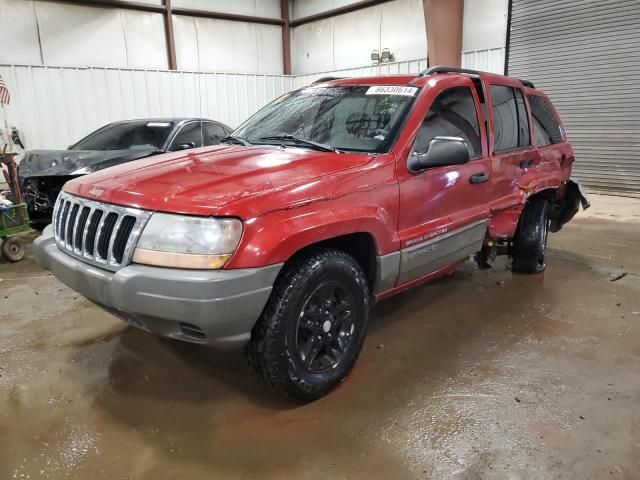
(199, 181)
(47, 163)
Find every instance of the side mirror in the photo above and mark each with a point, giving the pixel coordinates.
(442, 151)
(186, 146)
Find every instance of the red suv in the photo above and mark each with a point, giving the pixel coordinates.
(329, 198)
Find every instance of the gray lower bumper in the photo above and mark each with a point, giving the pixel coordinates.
(222, 305)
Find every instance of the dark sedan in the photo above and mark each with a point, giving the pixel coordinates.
(43, 172)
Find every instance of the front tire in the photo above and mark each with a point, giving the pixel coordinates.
(530, 242)
(311, 331)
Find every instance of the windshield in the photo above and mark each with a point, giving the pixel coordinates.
(126, 136)
(352, 118)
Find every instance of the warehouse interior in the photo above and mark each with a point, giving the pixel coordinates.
(481, 372)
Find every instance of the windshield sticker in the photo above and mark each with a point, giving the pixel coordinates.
(157, 124)
(392, 90)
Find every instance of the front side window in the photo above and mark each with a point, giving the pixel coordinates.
(510, 120)
(126, 136)
(545, 123)
(350, 118)
(452, 114)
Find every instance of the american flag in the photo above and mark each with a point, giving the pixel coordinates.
(5, 96)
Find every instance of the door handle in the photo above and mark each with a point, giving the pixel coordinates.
(526, 163)
(479, 177)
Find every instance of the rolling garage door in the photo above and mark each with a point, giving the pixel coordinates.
(585, 54)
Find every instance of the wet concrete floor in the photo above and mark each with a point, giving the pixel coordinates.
(483, 374)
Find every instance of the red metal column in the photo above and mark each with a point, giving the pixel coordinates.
(443, 21)
(168, 30)
(286, 37)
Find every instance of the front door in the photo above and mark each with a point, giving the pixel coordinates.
(444, 210)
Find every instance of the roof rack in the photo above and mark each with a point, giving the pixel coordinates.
(468, 71)
(441, 69)
(326, 79)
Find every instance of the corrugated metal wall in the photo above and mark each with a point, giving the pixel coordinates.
(489, 60)
(56, 106)
(586, 56)
(411, 66)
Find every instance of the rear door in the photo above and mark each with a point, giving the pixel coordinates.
(444, 210)
(511, 143)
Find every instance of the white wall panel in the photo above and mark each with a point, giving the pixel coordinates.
(354, 36)
(484, 24)
(75, 35)
(403, 29)
(55, 106)
(256, 8)
(220, 45)
(19, 32)
(491, 60)
(304, 8)
(348, 39)
(144, 39)
(79, 36)
(312, 47)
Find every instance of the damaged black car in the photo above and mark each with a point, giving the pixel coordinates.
(42, 173)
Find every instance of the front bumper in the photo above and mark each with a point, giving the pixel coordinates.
(212, 307)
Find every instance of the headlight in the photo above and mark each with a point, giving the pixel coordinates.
(179, 241)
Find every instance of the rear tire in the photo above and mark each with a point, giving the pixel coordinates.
(313, 326)
(530, 242)
(12, 249)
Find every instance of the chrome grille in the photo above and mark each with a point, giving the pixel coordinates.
(97, 233)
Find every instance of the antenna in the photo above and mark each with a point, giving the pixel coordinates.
(200, 75)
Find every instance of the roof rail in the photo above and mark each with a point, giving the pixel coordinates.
(326, 79)
(468, 71)
(441, 69)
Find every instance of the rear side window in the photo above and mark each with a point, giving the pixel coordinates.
(452, 114)
(511, 122)
(545, 124)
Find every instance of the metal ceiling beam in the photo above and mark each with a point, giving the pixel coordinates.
(145, 7)
(139, 6)
(190, 12)
(336, 11)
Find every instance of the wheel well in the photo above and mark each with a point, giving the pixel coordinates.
(547, 193)
(361, 246)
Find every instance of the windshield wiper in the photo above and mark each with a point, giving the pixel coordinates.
(238, 140)
(301, 141)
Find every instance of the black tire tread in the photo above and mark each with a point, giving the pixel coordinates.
(265, 358)
(527, 242)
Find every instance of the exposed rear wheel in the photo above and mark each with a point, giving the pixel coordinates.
(312, 329)
(530, 242)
